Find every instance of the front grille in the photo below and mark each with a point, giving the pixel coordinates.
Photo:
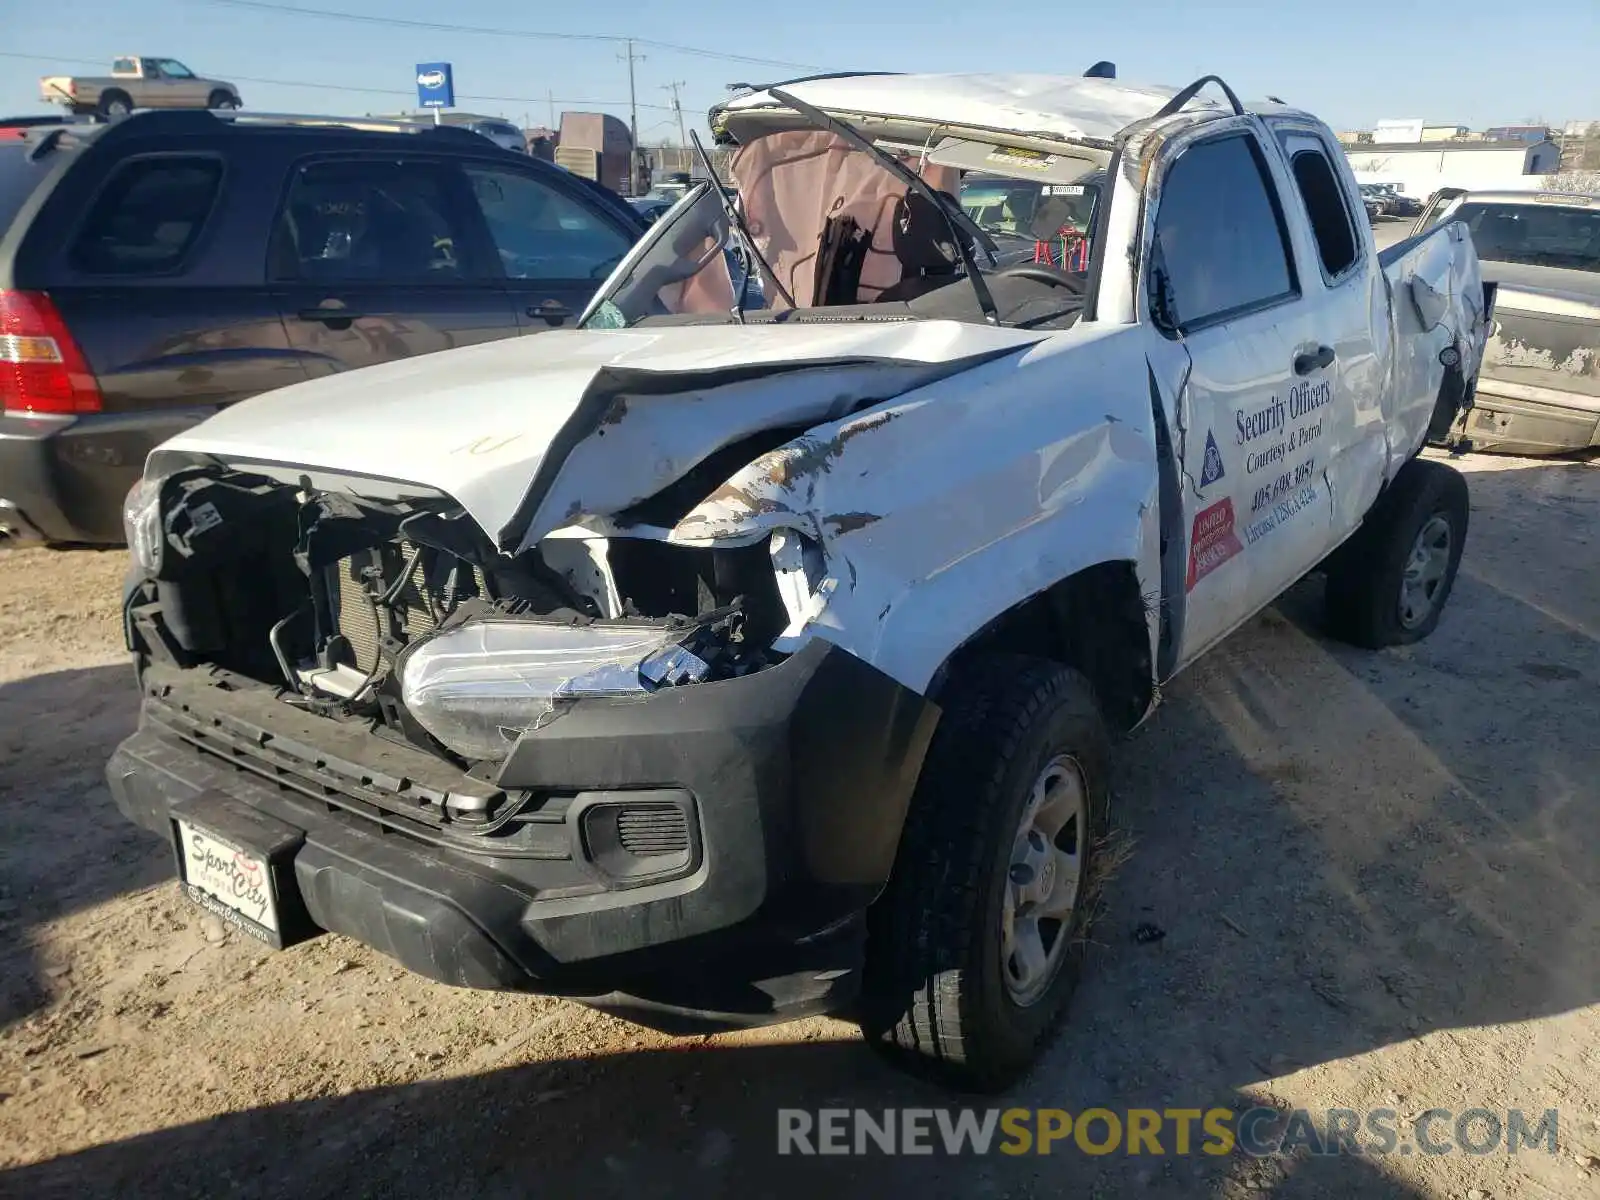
(385, 793)
(653, 830)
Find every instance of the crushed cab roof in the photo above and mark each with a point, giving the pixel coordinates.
(1069, 108)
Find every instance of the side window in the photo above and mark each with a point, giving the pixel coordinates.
(1219, 246)
(371, 221)
(147, 217)
(542, 233)
(1325, 203)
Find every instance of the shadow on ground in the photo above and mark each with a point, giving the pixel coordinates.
(699, 1123)
(65, 847)
(1338, 850)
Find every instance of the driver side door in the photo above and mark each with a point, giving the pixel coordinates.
(554, 246)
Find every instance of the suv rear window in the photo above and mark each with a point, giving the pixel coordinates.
(1544, 235)
(147, 217)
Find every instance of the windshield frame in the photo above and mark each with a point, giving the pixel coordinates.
(658, 232)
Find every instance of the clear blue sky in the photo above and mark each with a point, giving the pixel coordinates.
(1476, 62)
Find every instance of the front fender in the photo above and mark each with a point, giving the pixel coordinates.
(942, 509)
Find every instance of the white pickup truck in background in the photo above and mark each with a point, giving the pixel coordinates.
(138, 81)
(723, 666)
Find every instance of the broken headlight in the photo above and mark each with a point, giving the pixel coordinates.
(141, 524)
(481, 685)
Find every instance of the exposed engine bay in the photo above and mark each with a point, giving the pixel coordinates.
(403, 616)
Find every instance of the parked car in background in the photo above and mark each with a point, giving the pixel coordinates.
(1539, 391)
(651, 207)
(170, 264)
(138, 81)
(499, 130)
(1384, 201)
(1400, 204)
(726, 667)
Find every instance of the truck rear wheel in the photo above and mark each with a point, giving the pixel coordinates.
(977, 943)
(115, 104)
(1388, 585)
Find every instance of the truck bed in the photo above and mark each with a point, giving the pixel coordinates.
(1424, 274)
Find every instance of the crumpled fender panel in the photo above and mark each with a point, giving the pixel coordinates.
(943, 508)
(1436, 291)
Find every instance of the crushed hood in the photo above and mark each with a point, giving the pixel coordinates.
(1064, 108)
(530, 433)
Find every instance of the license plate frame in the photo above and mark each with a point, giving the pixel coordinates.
(222, 847)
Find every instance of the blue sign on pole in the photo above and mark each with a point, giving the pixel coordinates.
(436, 85)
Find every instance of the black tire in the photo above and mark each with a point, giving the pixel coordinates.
(114, 104)
(1365, 575)
(935, 998)
(222, 99)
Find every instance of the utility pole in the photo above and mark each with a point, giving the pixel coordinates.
(551, 96)
(677, 107)
(633, 120)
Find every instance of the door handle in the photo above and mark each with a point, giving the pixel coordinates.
(551, 312)
(329, 316)
(1317, 360)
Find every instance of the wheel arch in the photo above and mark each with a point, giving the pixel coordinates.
(1096, 621)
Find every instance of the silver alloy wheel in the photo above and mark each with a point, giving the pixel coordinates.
(227, 105)
(118, 108)
(1044, 881)
(1425, 571)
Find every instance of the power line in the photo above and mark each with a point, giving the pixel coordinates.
(488, 31)
(344, 87)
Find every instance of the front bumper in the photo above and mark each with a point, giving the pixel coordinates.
(793, 783)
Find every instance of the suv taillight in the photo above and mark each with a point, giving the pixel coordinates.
(41, 368)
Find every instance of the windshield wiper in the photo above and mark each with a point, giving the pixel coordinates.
(912, 180)
(747, 243)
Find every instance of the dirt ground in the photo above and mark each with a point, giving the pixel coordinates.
(1377, 877)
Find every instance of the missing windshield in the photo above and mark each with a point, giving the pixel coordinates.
(828, 225)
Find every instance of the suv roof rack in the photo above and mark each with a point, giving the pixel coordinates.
(383, 124)
(193, 118)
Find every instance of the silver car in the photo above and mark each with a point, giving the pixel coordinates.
(1539, 392)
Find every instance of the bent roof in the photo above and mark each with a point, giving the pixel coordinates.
(1067, 107)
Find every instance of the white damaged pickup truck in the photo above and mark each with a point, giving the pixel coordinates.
(720, 666)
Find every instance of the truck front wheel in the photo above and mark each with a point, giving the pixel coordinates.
(225, 101)
(1388, 584)
(976, 945)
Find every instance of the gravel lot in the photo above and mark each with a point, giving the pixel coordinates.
(1376, 876)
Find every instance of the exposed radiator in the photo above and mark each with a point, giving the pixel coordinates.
(357, 615)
